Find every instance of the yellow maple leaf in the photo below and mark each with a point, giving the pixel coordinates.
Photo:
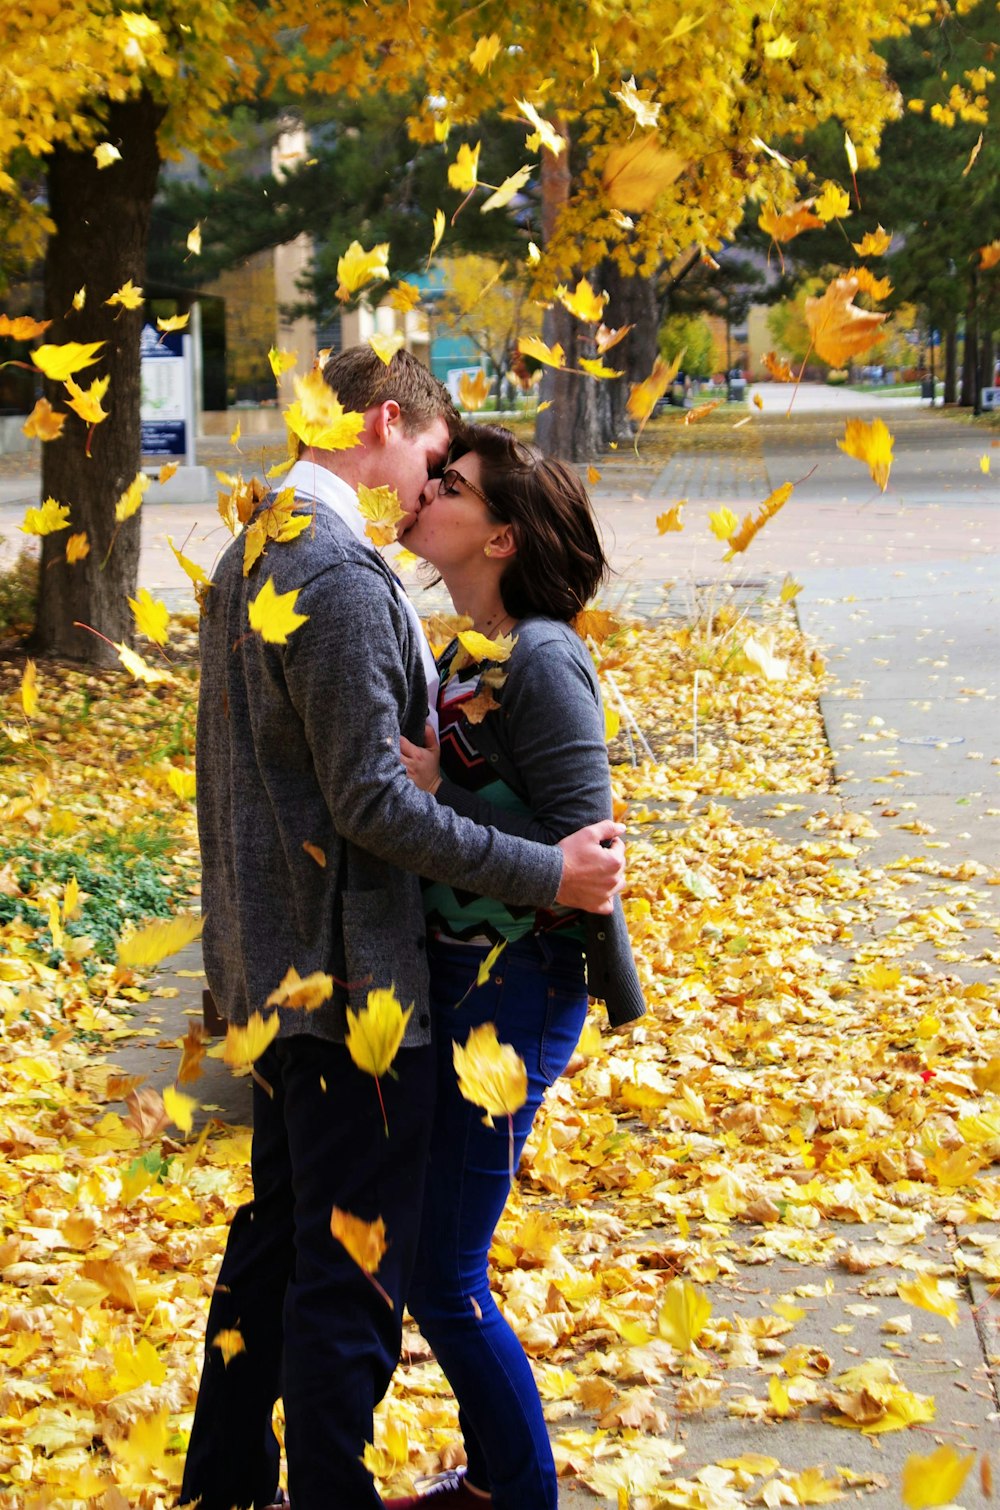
(357, 267)
(22, 327)
(671, 520)
(181, 783)
(376, 1032)
(780, 47)
(47, 519)
(197, 573)
(80, 298)
(149, 945)
(439, 224)
(643, 397)
(851, 153)
(77, 547)
(86, 402)
(386, 346)
(534, 346)
(29, 689)
(273, 614)
(873, 243)
(606, 338)
(179, 1108)
(481, 648)
(505, 193)
(463, 173)
(364, 1241)
(984, 462)
(777, 367)
(925, 1291)
(307, 992)
(723, 523)
(151, 616)
(404, 297)
(811, 1487)
(167, 471)
(281, 361)
(229, 1341)
(839, 329)
(636, 174)
(168, 323)
(752, 524)
(934, 1479)
(193, 242)
(490, 1074)
(318, 418)
(683, 1314)
(832, 203)
(130, 501)
(785, 225)
(137, 1364)
(870, 442)
(381, 510)
(106, 153)
(639, 102)
(595, 368)
(128, 296)
(595, 624)
(875, 288)
(245, 1044)
(60, 362)
(989, 255)
(71, 899)
(593, 476)
(546, 134)
(44, 422)
(142, 1451)
(473, 389)
(484, 52)
(583, 301)
(789, 589)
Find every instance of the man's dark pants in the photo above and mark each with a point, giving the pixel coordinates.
(315, 1329)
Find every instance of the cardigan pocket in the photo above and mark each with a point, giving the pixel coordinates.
(368, 951)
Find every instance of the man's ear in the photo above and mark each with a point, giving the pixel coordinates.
(502, 545)
(386, 417)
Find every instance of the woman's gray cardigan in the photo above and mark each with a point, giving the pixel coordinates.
(546, 742)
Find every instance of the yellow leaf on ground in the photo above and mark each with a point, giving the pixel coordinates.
(273, 614)
(870, 442)
(142, 1452)
(936, 1478)
(151, 616)
(47, 519)
(490, 1074)
(683, 1314)
(375, 1033)
(44, 423)
(637, 173)
(925, 1291)
(153, 943)
(308, 992)
(60, 362)
(245, 1043)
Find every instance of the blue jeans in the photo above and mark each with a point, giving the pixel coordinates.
(537, 997)
(315, 1329)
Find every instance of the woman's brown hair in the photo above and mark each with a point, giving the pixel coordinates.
(560, 561)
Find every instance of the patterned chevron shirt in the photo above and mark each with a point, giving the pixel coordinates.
(462, 915)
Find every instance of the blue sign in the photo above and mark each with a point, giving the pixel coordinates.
(166, 409)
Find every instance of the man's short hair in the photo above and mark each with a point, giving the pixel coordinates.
(360, 379)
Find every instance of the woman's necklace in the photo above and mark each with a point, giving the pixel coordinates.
(491, 629)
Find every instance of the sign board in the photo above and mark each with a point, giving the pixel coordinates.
(167, 395)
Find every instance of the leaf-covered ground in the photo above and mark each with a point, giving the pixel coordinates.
(731, 1127)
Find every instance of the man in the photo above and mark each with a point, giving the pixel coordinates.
(312, 843)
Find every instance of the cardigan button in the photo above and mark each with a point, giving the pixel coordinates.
(602, 937)
(494, 759)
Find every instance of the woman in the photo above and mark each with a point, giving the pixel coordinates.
(514, 539)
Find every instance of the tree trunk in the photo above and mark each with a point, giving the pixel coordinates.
(633, 301)
(102, 219)
(950, 358)
(970, 350)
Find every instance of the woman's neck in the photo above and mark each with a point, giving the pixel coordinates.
(481, 602)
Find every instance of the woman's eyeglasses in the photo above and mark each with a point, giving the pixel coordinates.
(451, 478)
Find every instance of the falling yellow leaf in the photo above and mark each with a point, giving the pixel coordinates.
(873, 243)
(510, 186)
(381, 510)
(245, 1044)
(197, 573)
(595, 368)
(281, 361)
(851, 151)
(318, 418)
(179, 1108)
(386, 346)
(375, 1033)
(785, 225)
(481, 648)
(989, 255)
(936, 1478)
(151, 616)
(546, 135)
(484, 52)
(167, 471)
(60, 362)
(596, 624)
(193, 242)
(490, 1074)
(80, 298)
(358, 267)
(404, 297)
(839, 329)
(925, 1291)
(473, 390)
(789, 589)
(128, 296)
(86, 402)
(439, 225)
(148, 946)
(870, 442)
(47, 519)
(131, 500)
(671, 520)
(638, 102)
(778, 48)
(304, 992)
(984, 462)
(29, 689)
(44, 422)
(105, 153)
(683, 1314)
(23, 327)
(643, 397)
(605, 339)
(463, 173)
(636, 174)
(77, 548)
(753, 523)
(230, 1343)
(832, 203)
(273, 614)
(534, 346)
(315, 853)
(170, 323)
(364, 1241)
(777, 367)
(723, 523)
(583, 301)
(593, 476)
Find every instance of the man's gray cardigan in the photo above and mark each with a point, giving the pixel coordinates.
(546, 742)
(299, 744)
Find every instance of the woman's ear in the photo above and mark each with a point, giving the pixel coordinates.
(502, 544)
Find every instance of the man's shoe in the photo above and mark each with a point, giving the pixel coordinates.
(444, 1489)
(281, 1503)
